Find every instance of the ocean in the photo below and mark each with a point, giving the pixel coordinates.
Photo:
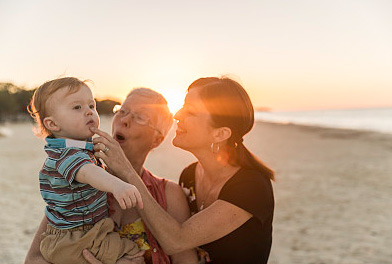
(370, 119)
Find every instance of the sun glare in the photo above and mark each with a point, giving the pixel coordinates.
(173, 91)
(175, 100)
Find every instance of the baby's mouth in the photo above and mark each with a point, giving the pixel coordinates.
(91, 122)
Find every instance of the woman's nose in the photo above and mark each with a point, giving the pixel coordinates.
(125, 120)
(178, 114)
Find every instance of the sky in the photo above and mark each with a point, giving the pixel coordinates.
(288, 55)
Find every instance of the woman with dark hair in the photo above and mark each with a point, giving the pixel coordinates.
(229, 190)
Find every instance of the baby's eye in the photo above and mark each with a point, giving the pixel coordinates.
(92, 106)
(77, 107)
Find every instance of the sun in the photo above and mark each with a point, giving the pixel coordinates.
(175, 100)
(174, 94)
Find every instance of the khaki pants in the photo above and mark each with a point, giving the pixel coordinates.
(66, 245)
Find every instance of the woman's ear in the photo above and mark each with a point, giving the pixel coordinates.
(157, 140)
(51, 125)
(221, 134)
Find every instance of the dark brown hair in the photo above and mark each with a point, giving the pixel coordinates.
(230, 106)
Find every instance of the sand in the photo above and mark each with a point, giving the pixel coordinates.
(333, 191)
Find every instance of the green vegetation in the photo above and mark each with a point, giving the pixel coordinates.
(105, 107)
(14, 101)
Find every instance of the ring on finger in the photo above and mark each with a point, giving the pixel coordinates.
(106, 149)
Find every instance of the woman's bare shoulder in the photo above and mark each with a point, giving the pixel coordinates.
(177, 205)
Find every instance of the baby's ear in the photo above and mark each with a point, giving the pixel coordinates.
(51, 125)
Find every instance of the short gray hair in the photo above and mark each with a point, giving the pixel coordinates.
(163, 114)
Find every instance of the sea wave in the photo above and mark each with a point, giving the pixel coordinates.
(369, 119)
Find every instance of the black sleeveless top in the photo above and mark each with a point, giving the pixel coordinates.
(251, 242)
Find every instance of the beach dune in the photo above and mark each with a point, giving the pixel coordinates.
(333, 191)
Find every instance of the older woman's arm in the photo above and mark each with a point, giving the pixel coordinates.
(34, 254)
(178, 208)
(214, 222)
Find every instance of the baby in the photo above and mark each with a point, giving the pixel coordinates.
(73, 182)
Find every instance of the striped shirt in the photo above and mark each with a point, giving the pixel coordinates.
(70, 203)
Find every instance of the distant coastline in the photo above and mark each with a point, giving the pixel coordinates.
(370, 119)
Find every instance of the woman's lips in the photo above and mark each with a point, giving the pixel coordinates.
(180, 131)
(119, 137)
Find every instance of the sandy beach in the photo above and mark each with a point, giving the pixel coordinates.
(333, 191)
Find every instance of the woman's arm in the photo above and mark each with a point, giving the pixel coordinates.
(214, 222)
(178, 208)
(34, 254)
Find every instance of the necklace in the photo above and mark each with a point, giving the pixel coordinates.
(207, 195)
(217, 183)
(205, 198)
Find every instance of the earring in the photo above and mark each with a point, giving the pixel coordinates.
(214, 149)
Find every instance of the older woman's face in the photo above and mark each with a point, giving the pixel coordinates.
(134, 138)
(194, 130)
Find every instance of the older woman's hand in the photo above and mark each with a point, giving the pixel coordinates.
(135, 259)
(110, 151)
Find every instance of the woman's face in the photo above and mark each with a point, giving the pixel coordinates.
(135, 138)
(194, 130)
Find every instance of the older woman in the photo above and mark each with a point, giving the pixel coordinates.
(230, 192)
(140, 125)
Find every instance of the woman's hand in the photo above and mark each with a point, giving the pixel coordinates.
(135, 259)
(34, 255)
(110, 151)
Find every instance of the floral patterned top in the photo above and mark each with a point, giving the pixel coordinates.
(136, 232)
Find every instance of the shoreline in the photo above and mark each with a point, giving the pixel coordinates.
(326, 128)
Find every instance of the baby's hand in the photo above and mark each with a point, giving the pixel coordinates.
(127, 195)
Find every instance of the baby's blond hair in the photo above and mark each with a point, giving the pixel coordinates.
(38, 105)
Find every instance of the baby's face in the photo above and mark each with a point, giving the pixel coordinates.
(73, 114)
